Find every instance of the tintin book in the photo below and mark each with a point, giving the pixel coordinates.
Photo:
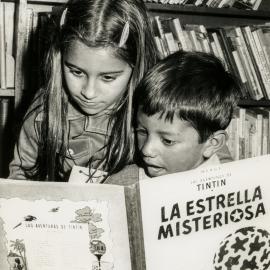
(210, 218)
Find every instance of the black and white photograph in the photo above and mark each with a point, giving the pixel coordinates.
(134, 134)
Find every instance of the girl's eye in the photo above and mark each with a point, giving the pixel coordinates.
(168, 142)
(141, 132)
(108, 78)
(76, 72)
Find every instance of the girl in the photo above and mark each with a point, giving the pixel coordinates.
(82, 115)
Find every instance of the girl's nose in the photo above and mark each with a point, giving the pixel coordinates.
(89, 90)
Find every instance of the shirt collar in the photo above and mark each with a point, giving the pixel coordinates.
(92, 122)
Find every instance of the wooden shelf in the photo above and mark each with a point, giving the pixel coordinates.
(7, 92)
(167, 9)
(254, 103)
(208, 11)
(211, 17)
(47, 2)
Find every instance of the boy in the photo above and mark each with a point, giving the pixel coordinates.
(183, 106)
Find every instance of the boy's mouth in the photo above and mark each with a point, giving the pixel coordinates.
(154, 170)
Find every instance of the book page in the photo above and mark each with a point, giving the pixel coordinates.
(209, 218)
(52, 226)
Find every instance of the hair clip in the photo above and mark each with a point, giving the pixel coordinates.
(124, 35)
(63, 17)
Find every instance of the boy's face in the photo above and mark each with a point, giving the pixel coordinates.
(168, 147)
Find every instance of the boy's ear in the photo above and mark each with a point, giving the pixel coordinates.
(215, 142)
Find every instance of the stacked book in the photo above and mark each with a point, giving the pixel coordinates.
(249, 133)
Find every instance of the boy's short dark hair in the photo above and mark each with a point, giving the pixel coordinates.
(194, 86)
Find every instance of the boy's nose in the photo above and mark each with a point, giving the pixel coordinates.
(89, 90)
(149, 149)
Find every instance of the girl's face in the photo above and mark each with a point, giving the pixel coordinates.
(95, 77)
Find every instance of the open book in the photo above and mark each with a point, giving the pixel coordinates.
(208, 218)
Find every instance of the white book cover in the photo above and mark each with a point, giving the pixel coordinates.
(214, 218)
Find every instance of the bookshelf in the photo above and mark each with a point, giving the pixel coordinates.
(210, 17)
(188, 14)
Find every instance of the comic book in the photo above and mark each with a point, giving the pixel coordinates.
(209, 218)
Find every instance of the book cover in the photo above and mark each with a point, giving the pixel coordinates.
(218, 215)
(52, 226)
(209, 218)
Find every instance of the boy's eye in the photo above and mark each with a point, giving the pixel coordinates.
(168, 142)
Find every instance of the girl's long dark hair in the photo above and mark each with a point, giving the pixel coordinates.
(96, 23)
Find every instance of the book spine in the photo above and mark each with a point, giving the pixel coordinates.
(240, 68)
(228, 51)
(170, 42)
(9, 12)
(256, 56)
(219, 48)
(265, 135)
(2, 48)
(265, 46)
(256, 4)
(133, 205)
(258, 91)
(179, 33)
(160, 47)
(263, 62)
(241, 139)
(254, 91)
(215, 50)
(259, 129)
(196, 46)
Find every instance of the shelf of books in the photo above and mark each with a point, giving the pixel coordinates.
(249, 133)
(233, 34)
(244, 49)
